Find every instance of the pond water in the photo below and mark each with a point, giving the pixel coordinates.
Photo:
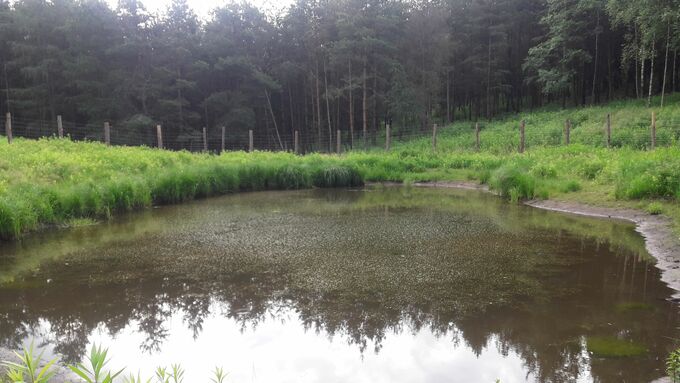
(371, 285)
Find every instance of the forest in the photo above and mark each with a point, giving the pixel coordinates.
(319, 66)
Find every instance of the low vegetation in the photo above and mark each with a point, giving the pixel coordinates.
(94, 370)
(60, 182)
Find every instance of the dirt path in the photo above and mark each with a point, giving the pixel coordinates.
(660, 240)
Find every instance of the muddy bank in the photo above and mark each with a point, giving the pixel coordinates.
(660, 240)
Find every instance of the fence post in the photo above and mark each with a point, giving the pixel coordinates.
(296, 142)
(609, 129)
(159, 136)
(107, 133)
(60, 127)
(653, 130)
(8, 127)
(339, 143)
(387, 136)
(521, 136)
(222, 144)
(434, 137)
(205, 139)
(477, 135)
(251, 145)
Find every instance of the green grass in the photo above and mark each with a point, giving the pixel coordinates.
(58, 182)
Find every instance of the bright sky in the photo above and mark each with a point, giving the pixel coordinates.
(203, 7)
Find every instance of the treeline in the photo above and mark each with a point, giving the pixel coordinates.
(324, 65)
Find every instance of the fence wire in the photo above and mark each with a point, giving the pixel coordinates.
(638, 133)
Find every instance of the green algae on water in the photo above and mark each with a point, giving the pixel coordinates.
(610, 347)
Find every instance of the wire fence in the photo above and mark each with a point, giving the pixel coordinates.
(643, 132)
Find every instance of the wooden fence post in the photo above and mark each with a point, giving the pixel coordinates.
(338, 142)
(609, 129)
(60, 127)
(296, 142)
(653, 130)
(477, 135)
(567, 131)
(223, 136)
(8, 127)
(434, 137)
(159, 136)
(107, 133)
(521, 136)
(387, 136)
(205, 139)
(251, 145)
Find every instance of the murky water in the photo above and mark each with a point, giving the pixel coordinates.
(374, 285)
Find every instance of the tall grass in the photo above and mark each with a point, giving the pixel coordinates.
(54, 182)
(49, 182)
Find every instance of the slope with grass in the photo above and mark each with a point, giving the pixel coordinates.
(59, 182)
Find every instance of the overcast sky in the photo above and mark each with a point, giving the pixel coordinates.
(203, 7)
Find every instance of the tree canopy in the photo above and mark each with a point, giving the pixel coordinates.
(321, 66)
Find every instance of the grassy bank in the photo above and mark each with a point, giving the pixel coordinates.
(59, 182)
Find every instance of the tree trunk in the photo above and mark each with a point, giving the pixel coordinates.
(651, 73)
(665, 65)
(7, 89)
(448, 95)
(375, 102)
(179, 102)
(642, 72)
(271, 111)
(609, 73)
(318, 108)
(637, 65)
(597, 47)
(328, 108)
(675, 59)
(351, 108)
(364, 104)
(488, 78)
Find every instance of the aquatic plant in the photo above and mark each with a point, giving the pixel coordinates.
(28, 369)
(218, 375)
(673, 366)
(95, 373)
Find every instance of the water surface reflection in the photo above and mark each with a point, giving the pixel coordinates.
(371, 285)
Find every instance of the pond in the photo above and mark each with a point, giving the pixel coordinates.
(382, 284)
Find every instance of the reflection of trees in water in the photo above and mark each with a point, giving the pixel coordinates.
(544, 333)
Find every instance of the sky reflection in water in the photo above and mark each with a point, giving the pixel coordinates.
(369, 286)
